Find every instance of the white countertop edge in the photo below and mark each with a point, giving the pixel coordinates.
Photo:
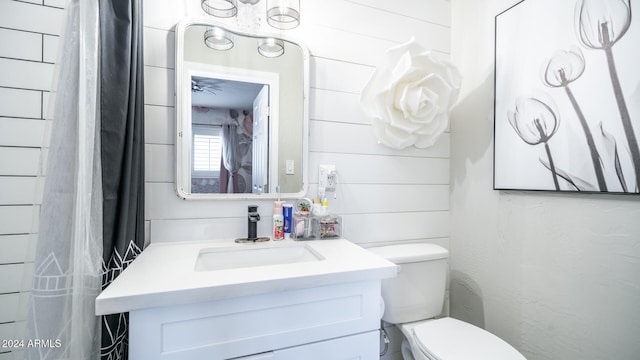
(121, 296)
(190, 296)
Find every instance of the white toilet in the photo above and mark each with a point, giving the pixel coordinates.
(413, 300)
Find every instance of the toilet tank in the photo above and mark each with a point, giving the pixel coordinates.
(418, 292)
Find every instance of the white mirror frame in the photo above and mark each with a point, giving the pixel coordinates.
(183, 138)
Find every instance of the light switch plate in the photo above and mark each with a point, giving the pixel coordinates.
(290, 167)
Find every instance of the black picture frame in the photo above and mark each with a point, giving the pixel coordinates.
(567, 97)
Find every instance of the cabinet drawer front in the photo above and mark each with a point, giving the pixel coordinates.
(236, 327)
(355, 347)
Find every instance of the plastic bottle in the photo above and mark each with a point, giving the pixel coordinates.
(325, 207)
(287, 212)
(316, 209)
(278, 221)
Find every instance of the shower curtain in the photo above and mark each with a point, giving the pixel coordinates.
(91, 221)
(230, 158)
(68, 262)
(122, 108)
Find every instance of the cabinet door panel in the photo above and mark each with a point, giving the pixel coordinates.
(231, 328)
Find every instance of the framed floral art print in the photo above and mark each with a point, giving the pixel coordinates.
(567, 96)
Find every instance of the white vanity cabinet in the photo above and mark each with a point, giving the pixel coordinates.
(325, 307)
(325, 323)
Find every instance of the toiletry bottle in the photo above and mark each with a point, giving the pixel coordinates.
(278, 221)
(287, 212)
(316, 208)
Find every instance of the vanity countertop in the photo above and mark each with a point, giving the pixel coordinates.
(164, 274)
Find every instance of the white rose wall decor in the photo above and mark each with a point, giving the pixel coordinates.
(567, 97)
(409, 96)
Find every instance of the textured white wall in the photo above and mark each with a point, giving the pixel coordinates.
(556, 275)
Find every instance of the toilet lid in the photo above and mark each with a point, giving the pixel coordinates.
(451, 339)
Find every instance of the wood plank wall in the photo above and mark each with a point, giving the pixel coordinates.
(384, 195)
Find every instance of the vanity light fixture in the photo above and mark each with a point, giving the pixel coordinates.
(218, 39)
(270, 47)
(281, 14)
(220, 8)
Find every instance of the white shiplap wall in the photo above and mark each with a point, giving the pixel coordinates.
(29, 33)
(384, 195)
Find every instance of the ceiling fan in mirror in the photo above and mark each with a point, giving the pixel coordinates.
(204, 85)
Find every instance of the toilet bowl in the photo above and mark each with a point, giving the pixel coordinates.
(414, 299)
(451, 339)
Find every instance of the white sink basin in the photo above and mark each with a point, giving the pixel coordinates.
(235, 258)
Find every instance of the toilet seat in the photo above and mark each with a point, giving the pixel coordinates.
(451, 339)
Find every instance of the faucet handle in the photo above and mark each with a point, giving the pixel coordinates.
(254, 216)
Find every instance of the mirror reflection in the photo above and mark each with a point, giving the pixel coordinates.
(222, 135)
(242, 114)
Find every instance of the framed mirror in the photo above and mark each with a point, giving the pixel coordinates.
(241, 113)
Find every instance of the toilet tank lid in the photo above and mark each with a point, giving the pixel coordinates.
(408, 253)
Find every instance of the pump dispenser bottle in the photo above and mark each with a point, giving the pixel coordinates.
(278, 221)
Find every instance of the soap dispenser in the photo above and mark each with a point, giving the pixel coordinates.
(278, 221)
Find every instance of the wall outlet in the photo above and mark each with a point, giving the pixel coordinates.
(323, 178)
(332, 180)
